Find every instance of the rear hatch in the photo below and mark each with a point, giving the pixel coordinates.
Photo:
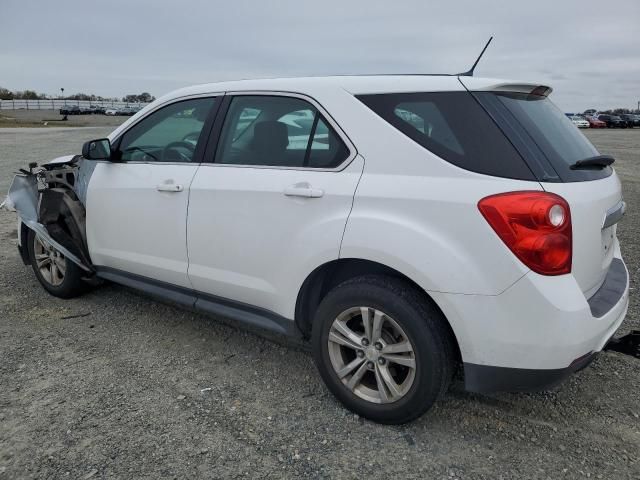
(551, 145)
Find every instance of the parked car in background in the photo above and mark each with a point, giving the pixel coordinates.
(112, 111)
(590, 113)
(258, 204)
(98, 109)
(595, 123)
(579, 121)
(127, 111)
(612, 121)
(630, 119)
(70, 110)
(85, 110)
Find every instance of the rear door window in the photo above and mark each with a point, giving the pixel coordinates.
(453, 126)
(278, 131)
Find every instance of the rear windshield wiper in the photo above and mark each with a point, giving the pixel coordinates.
(601, 161)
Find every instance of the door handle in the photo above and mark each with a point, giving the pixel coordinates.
(303, 190)
(169, 187)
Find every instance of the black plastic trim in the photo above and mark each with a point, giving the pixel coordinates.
(22, 245)
(215, 130)
(204, 302)
(24, 255)
(486, 378)
(611, 291)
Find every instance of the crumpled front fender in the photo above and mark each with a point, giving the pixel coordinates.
(23, 198)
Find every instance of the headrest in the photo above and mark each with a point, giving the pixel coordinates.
(270, 135)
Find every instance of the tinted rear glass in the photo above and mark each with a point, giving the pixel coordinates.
(547, 139)
(455, 127)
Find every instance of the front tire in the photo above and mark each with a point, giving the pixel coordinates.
(57, 274)
(382, 348)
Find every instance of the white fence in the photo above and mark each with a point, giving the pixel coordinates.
(51, 104)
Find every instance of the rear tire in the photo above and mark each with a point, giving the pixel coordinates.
(57, 274)
(394, 369)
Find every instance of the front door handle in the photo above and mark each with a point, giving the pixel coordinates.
(169, 187)
(303, 190)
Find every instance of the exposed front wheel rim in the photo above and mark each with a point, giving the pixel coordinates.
(372, 355)
(50, 263)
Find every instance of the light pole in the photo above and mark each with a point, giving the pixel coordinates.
(62, 95)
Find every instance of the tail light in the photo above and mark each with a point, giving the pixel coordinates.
(536, 226)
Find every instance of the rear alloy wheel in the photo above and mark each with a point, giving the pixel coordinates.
(372, 355)
(57, 274)
(383, 348)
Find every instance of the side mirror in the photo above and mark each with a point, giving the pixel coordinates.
(99, 149)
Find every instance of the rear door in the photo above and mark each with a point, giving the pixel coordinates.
(274, 204)
(137, 203)
(552, 145)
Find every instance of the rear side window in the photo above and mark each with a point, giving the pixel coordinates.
(278, 131)
(453, 126)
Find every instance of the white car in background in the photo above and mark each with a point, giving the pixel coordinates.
(112, 111)
(579, 121)
(400, 224)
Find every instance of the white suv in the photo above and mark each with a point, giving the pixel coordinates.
(403, 224)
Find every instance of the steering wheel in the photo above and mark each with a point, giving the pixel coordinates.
(174, 147)
(191, 137)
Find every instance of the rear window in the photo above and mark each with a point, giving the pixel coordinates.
(548, 140)
(453, 126)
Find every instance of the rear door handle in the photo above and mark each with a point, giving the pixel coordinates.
(169, 187)
(303, 190)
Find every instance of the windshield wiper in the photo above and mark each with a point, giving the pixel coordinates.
(601, 161)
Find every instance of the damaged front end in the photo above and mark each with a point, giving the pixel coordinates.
(50, 200)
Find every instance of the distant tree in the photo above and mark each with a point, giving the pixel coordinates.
(28, 95)
(146, 97)
(618, 111)
(5, 94)
(80, 96)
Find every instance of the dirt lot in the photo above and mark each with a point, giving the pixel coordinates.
(116, 385)
(52, 118)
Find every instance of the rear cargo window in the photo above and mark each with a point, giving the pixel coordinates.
(453, 126)
(550, 141)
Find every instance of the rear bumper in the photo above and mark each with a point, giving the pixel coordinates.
(537, 332)
(485, 378)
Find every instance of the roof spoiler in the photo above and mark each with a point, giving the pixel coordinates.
(508, 87)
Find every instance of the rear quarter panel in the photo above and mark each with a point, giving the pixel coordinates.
(430, 229)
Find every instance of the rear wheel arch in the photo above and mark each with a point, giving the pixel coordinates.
(327, 276)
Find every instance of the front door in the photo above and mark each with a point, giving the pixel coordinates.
(137, 203)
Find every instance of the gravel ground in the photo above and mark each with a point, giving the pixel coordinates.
(116, 385)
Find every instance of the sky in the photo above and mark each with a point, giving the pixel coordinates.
(588, 51)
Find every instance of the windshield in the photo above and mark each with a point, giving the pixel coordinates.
(550, 141)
